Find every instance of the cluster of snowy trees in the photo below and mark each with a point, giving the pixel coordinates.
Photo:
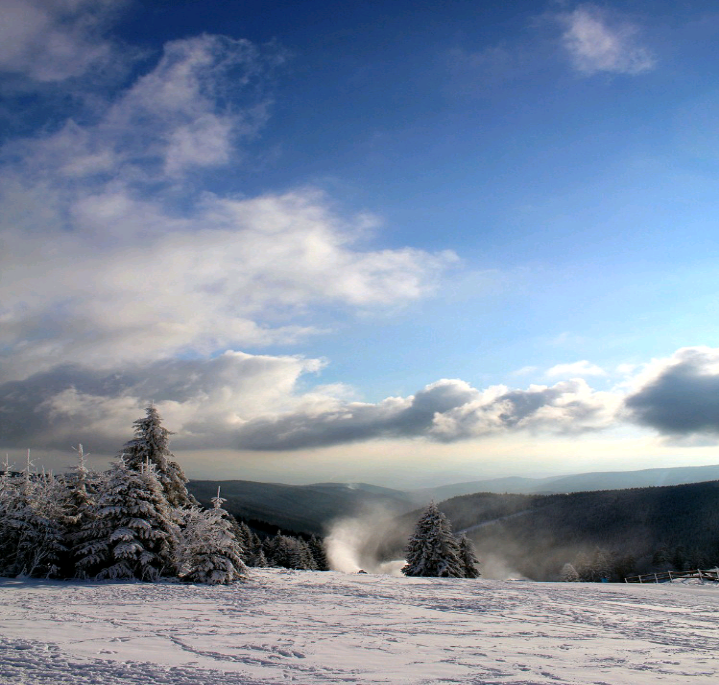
(134, 521)
(433, 550)
(601, 565)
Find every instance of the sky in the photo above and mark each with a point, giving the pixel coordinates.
(401, 243)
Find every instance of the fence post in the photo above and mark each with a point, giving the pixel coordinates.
(656, 580)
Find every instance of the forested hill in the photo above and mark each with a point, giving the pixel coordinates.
(301, 508)
(642, 529)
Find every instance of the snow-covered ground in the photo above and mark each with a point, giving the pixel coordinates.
(304, 627)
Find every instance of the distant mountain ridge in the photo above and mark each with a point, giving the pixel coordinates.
(312, 508)
(582, 482)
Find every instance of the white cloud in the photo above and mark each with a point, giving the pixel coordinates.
(132, 282)
(597, 42)
(525, 371)
(578, 369)
(101, 263)
(177, 118)
(53, 40)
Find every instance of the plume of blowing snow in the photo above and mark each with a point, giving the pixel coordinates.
(352, 544)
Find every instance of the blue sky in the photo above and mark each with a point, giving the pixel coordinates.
(397, 244)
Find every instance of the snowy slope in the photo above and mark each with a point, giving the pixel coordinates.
(304, 627)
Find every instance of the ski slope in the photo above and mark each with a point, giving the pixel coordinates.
(307, 628)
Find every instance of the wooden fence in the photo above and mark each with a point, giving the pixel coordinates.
(669, 576)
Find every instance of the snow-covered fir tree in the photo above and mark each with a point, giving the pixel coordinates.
(8, 495)
(80, 485)
(151, 445)
(254, 553)
(433, 550)
(130, 532)
(209, 551)
(319, 555)
(569, 574)
(468, 557)
(286, 551)
(32, 528)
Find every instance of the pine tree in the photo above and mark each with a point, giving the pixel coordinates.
(151, 445)
(32, 529)
(286, 551)
(80, 503)
(433, 550)
(319, 555)
(468, 557)
(569, 574)
(131, 533)
(8, 533)
(255, 554)
(209, 551)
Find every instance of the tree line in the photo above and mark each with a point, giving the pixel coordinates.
(136, 520)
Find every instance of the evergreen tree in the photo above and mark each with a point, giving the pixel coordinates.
(259, 560)
(433, 550)
(80, 503)
(131, 533)
(32, 533)
(468, 557)
(151, 445)
(319, 555)
(255, 555)
(209, 551)
(569, 574)
(286, 551)
(8, 533)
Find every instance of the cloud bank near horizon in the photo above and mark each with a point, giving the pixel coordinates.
(239, 401)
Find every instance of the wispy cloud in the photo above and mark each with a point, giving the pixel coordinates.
(599, 41)
(112, 254)
(54, 40)
(578, 369)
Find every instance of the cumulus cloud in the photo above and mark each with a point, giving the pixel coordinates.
(599, 42)
(576, 370)
(203, 400)
(445, 411)
(679, 396)
(54, 40)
